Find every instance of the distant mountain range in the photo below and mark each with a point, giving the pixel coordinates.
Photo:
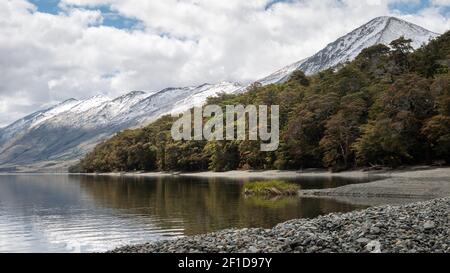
(65, 132)
(52, 139)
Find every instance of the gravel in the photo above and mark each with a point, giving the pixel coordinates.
(413, 228)
(428, 183)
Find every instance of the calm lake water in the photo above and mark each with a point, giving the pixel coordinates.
(69, 213)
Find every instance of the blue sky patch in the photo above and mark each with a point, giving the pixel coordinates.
(110, 17)
(114, 19)
(411, 8)
(47, 6)
(408, 8)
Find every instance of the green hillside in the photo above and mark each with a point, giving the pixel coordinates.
(390, 106)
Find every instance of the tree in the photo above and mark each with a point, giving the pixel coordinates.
(432, 59)
(141, 157)
(437, 128)
(381, 143)
(299, 77)
(373, 61)
(394, 136)
(409, 96)
(440, 89)
(251, 156)
(373, 53)
(402, 45)
(400, 53)
(437, 131)
(305, 130)
(223, 155)
(342, 129)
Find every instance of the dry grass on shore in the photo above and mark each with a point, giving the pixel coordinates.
(271, 188)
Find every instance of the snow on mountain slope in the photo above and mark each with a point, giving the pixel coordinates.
(198, 95)
(97, 111)
(35, 119)
(177, 100)
(70, 129)
(89, 103)
(281, 74)
(381, 30)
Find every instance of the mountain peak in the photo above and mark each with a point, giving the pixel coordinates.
(69, 100)
(384, 18)
(380, 30)
(97, 97)
(136, 93)
(388, 20)
(130, 95)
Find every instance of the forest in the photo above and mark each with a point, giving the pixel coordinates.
(388, 107)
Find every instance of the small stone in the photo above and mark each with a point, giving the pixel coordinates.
(294, 245)
(253, 249)
(363, 240)
(428, 225)
(374, 247)
(375, 230)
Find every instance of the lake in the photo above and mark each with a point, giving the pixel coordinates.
(76, 213)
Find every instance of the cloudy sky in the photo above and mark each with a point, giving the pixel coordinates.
(52, 50)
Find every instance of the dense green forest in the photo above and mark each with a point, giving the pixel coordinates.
(390, 106)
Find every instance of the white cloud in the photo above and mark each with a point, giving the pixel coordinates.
(46, 58)
(441, 2)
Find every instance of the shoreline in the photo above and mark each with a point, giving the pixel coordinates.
(412, 182)
(422, 227)
(409, 171)
(240, 174)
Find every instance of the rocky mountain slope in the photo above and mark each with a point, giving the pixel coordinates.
(381, 30)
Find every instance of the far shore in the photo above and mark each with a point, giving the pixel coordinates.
(410, 171)
(241, 174)
(406, 172)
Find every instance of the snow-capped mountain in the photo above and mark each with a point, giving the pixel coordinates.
(65, 132)
(381, 30)
(70, 129)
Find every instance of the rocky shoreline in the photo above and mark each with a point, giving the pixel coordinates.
(411, 228)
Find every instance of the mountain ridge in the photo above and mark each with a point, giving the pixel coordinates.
(383, 29)
(69, 129)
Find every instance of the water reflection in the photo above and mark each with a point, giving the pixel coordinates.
(59, 213)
